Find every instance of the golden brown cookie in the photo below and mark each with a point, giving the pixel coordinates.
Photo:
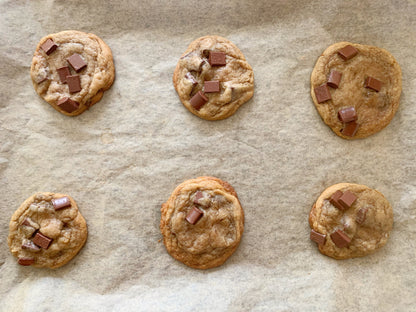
(212, 78)
(350, 220)
(202, 222)
(47, 230)
(356, 89)
(87, 62)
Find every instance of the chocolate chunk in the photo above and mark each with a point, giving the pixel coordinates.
(26, 222)
(350, 129)
(194, 215)
(334, 200)
(42, 240)
(191, 78)
(334, 79)
(76, 61)
(318, 237)
(198, 100)
(322, 93)
(340, 239)
(361, 214)
(48, 46)
(67, 105)
(347, 199)
(347, 114)
(29, 245)
(373, 83)
(211, 86)
(63, 72)
(74, 83)
(198, 196)
(59, 203)
(216, 58)
(347, 52)
(26, 261)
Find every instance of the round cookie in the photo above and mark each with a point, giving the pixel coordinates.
(85, 58)
(350, 220)
(219, 62)
(47, 230)
(202, 222)
(367, 95)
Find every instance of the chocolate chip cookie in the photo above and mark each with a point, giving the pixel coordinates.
(356, 89)
(350, 220)
(47, 231)
(71, 70)
(213, 78)
(202, 222)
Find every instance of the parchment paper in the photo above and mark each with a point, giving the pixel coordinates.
(121, 159)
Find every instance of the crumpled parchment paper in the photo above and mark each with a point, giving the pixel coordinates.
(121, 159)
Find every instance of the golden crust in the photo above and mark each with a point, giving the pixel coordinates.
(375, 110)
(236, 78)
(95, 79)
(214, 238)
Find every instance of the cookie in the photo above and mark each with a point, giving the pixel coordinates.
(47, 230)
(356, 89)
(202, 222)
(350, 220)
(71, 70)
(213, 79)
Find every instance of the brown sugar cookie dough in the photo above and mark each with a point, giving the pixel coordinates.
(47, 230)
(202, 222)
(350, 220)
(71, 70)
(356, 89)
(212, 78)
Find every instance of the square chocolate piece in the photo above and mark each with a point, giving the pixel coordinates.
(63, 72)
(361, 215)
(67, 105)
(347, 114)
(216, 58)
(347, 199)
(347, 52)
(334, 200)
(350, 129)
(340, 239)
(373, 83)
(211, 86)
(318, 237)
(62, 202)
(74, 83)
(48, 46)
(198, 100)
(334, 79)
(76, 61)
(42, 240)
(194, 215)
(322, 93)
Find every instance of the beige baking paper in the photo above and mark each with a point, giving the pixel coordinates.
(121, 159)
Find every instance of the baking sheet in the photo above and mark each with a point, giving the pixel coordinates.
(121, 159)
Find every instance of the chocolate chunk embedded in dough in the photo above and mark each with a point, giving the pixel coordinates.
(67, 105)
(211, 86)
(76, 61)
(347, 114)
(42, 240)
(194, 215)
(48, 46)
(74, 83)
(198, 100)
(340, 239)
(322, 93)
(217, 58)
(59, 203)
(317, 237)
(373, 83)
(347, 52)
(334, 79)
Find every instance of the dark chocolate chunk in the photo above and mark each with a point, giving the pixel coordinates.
(76, 61)
(59, 203)
(194, 215)
(63, 72)
(198, 196)
(361, 214)
(350, 129)
(216, 58)
(334, 200)
(347, 199)
(191, 78)
(347, 52)
(48, 46)
(340, 239)
(29, 245)
(347, 114)
(42, 240)
(373, 83)
(334, 79)
(211, 86)
(322, 93)
(26, 261)
(317, 237)
(198, 100)
(67, 105)
(74, 83)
